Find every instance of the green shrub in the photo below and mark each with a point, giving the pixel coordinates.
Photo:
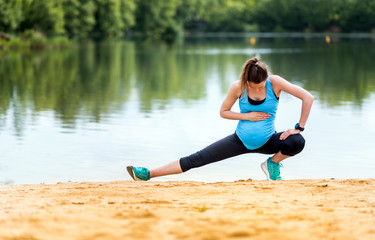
(59, 42)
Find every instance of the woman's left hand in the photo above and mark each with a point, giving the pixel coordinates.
(289, 132)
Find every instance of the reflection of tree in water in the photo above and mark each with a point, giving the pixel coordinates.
(89, 82)
(86, 82)
(182, 72)
(338, 72)
(163, 72)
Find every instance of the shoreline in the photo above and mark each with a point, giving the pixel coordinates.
(256, 209)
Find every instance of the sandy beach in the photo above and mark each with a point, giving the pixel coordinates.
(245, 209)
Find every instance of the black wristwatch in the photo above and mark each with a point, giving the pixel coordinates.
(299, 128)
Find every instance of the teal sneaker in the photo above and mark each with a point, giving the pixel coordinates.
(139, 173)
(271, 169)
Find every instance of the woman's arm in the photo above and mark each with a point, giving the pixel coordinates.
(281, 84)
(225, 110)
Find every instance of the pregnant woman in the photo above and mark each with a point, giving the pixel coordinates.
(258, 95)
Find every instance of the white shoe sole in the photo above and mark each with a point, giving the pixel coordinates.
(132, 174)
(264, 167)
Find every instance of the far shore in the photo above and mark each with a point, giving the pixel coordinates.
(245, 209)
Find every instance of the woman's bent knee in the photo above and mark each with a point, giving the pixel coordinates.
(293, 145)
(300, 143)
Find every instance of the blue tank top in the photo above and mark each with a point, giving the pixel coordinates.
(256, 134)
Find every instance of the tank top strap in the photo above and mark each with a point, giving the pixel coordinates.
(269, 85)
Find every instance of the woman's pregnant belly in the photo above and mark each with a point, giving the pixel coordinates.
(255, 134)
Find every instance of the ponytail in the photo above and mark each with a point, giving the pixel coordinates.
(254, 71)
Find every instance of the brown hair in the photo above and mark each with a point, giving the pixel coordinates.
(254, 71)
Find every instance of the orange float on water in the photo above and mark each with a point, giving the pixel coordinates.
(253, 40)
(328, 39)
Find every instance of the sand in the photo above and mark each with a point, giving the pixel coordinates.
(292, 209)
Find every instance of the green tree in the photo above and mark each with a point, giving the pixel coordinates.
(79, 16)
(191, 14)
(127, 10)
(228, 15)
(107, 16)
(43, 15)
(357, 15)
(157, 18)
(113, 16)
(316, 14)
(10, 15)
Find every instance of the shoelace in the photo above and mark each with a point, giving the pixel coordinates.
(276, 169)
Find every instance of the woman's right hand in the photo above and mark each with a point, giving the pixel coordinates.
(256, 116)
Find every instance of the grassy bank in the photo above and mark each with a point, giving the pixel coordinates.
(33, 40)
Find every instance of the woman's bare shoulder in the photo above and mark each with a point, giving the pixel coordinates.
(235, 90)
(275, 78)
(277, 81)
(236, 86)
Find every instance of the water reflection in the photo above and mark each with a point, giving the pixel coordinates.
(340, 73)
(92, 81)
(162, 74)
(83, 82)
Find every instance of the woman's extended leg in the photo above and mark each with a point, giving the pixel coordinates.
(227, 147)
(167, 169)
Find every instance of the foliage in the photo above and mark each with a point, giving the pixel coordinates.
(10, 15)
(168, 19)
(157, 18)
(292, 15)
(42, 15)
(228, 15)
(315, 15)
(358, 15)
(35, 40)
(78, 16)
(113, 16)
(127, 10)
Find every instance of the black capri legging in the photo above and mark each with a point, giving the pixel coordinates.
(232, 146)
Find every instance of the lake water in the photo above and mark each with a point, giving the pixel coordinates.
(84, 113)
